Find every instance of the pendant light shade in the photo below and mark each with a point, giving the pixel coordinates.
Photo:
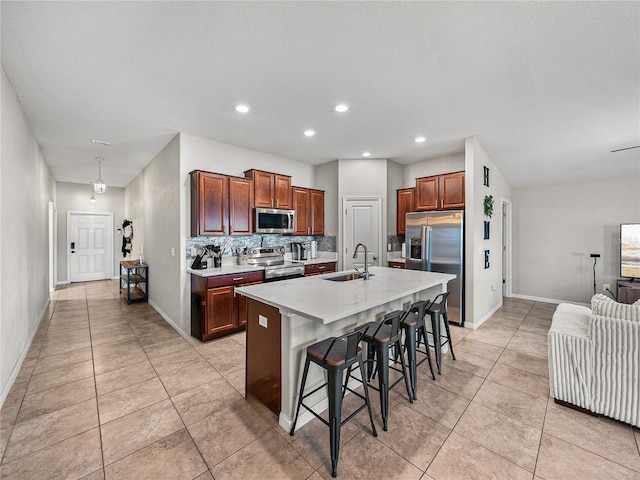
(92, 200)
(98, 185)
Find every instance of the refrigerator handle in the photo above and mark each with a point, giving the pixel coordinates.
(427, 248)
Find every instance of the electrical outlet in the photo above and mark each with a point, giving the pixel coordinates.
(194, 251)
(173, 251)
(493, 288)
(606, 287)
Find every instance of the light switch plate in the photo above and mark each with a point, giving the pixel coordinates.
(262, 321)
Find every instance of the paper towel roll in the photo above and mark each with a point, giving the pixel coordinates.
(404, 250)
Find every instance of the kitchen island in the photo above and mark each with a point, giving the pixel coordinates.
(285, 317)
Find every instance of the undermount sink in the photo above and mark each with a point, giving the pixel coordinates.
(346, 277)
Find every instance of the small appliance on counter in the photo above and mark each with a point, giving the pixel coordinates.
(215, 257)
(299, 250)
(241, 258)
(313, 251)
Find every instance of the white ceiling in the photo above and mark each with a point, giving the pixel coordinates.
(549, 88)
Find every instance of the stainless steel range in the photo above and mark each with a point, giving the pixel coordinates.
(275, 266)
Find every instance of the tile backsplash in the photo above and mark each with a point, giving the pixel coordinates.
(228, 244)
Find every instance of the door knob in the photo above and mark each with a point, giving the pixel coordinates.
(375, 258)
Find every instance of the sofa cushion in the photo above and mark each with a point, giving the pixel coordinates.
(606, 307)
(571, 319)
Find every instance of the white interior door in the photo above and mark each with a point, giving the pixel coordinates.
(361, 224)
(90, 243)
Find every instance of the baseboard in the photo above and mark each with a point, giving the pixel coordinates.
(23, 354)
(546, 300)
(64, 282)
(169, 321)
(487, 316)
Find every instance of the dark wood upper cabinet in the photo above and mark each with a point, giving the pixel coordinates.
(406, 202)
(271, 190)
(440, 192)
(220, 204)
(209, 203)
(240, 206)
(317, 212)
(309, 206)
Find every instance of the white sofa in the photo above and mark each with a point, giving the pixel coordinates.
(594, 358)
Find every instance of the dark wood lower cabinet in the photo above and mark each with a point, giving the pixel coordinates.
(216, 310)
(264, 366)
(397, 265)
(319, 268)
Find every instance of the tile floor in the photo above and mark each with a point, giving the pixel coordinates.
(111, 391)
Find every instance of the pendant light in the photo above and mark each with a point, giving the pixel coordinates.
(92, 200)
(98, 185)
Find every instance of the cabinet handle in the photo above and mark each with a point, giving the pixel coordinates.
(321, 268)
(238, 279)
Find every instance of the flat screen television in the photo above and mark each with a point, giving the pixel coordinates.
(630, 250)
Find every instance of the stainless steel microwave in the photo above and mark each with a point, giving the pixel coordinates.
(271, 220)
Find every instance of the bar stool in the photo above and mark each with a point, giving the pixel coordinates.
(436, 310)
(336, 354)
(380, 337)
(412, 323)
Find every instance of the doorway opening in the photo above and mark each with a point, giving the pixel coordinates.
(89, 246)
(362, 223)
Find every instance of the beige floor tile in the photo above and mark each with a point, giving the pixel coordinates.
(198, 373)
(70, 336)
(534, 328)
(479, 349)
(226, 358)
(205, 476)
(439, 404)
(130, 399)
(194, 405)
(56, 398)
(498, 337)
(121, 325)
(166, 347)
(97, 475)
(116, 361)
(414, 436)
(517, 359)
(123, 377)
(557, 458)
(468, 363)
(59, 376)
(54, 348)
(528, 347)
(74, 457)
(504, 321)
(66, 327)
(237, 380)
(312, 439)
(174, 457)
(587, 432)
(182, 359)
(62, 359)
(458, 333)
(520, 380)
(117, 348)
(637, 434)
(508, 438)
(514, 404)
(115, 335)
(40, 432)
(457, 381)
(268, 457)
(460, 458)
(132, 432)
(227, 431)
(364, 457)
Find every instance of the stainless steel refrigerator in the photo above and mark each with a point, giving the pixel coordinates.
(435, 243)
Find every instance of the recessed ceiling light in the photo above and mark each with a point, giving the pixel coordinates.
(366, 154)
(341, 108)
(242, 108)
(420, 139)
(309, 133)
(102, 143)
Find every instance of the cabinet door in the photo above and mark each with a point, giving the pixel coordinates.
(240, 206)
(317, 212)
(209, 203)
(301, 206)
(427, 193)
(282, 191)
(406, 203)
(242, 305)
(221, 310)
(263, 185)
(452, 190)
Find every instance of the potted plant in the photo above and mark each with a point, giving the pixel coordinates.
(488, 212)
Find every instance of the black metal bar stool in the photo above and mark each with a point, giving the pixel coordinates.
(412, 323)
(380, 337)
(436, 310)
(336, 354)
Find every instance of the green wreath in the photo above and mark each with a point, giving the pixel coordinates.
(488, 205)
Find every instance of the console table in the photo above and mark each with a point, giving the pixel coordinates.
(134, 279)
(628, 292)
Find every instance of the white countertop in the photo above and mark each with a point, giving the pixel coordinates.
(326, 301)
(230, 267)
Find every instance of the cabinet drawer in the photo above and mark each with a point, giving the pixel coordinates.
(396, 265)
(318, 268)
(237, 279)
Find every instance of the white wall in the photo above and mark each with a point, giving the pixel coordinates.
(26, 186)
(433, 166)
(153, 204)
(326, 178)
(74, 197)
(480, 300)
(557, 227)
(395, 175)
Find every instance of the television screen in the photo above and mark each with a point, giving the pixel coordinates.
(630, 250)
